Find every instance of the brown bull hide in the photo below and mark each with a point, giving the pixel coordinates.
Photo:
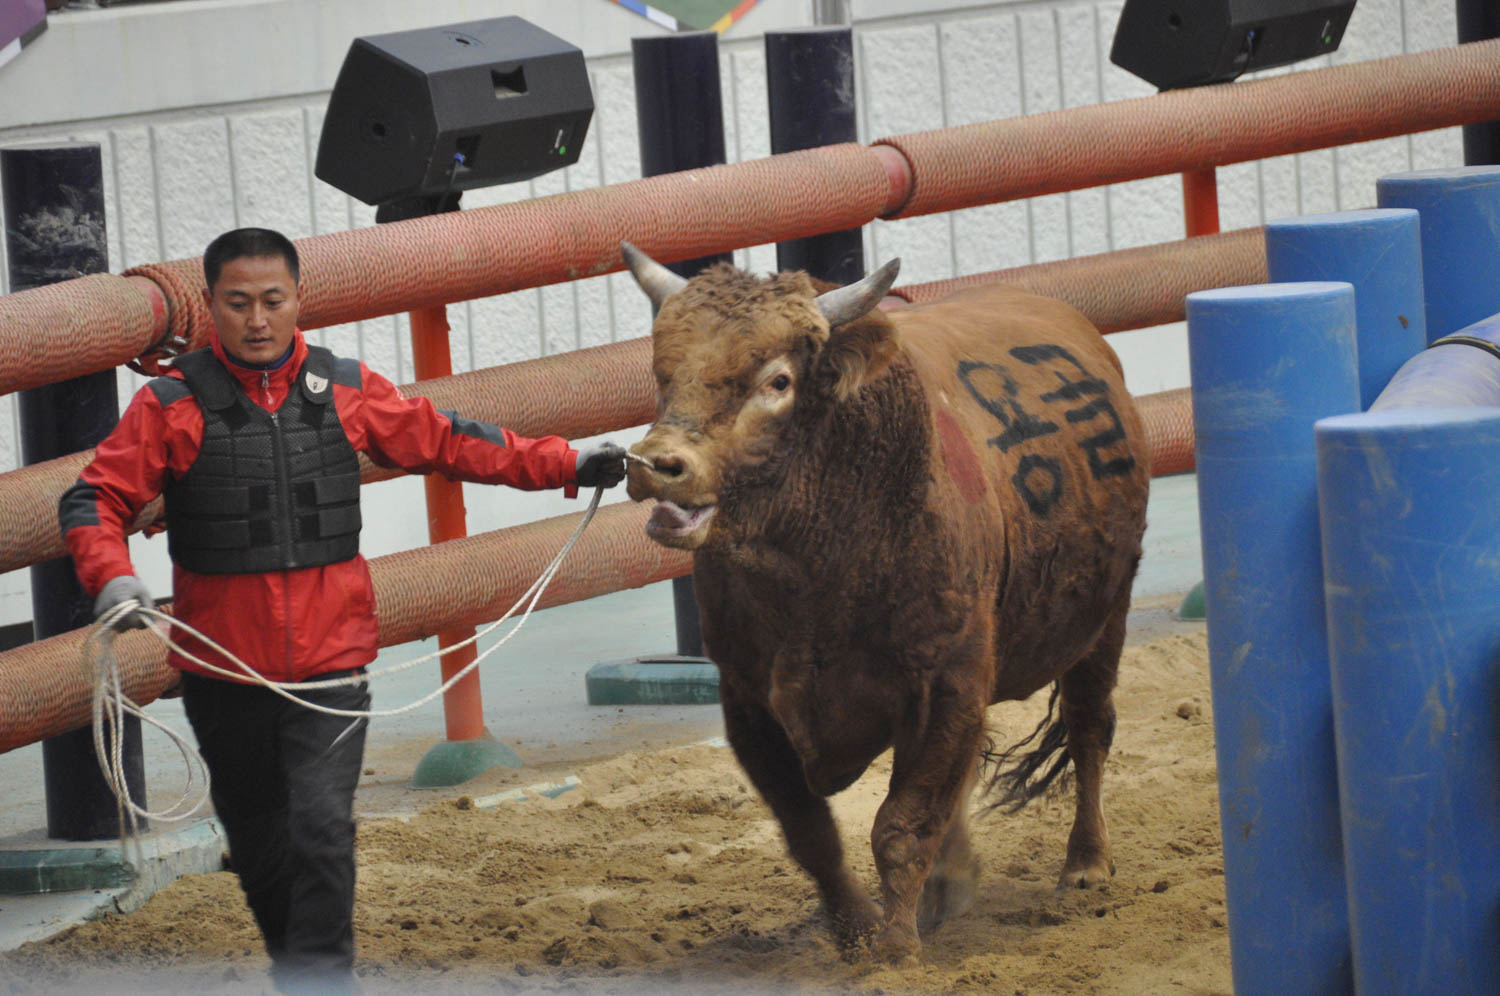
(897, 522)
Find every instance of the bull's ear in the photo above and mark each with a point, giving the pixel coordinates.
(847, 303)
(856, 354)
(656, 280)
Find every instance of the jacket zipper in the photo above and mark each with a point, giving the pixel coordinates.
(283, 495)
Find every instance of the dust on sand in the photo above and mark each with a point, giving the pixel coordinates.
(665, 872)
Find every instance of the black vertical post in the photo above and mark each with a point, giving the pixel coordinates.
(680, 116)
(810, 89)
(54, 230)
(1479, 20)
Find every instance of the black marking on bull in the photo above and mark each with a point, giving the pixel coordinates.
(1072, 390)
(1020, 425)
(1101, 440)
(1039, 501)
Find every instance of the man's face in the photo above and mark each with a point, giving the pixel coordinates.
(254, 307)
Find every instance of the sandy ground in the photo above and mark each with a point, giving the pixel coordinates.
(665, 872)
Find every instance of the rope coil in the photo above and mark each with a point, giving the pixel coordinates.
(111, 705)
(188, 320)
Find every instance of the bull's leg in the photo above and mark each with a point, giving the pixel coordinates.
(949, 890)
(1089, 714)
(933, 766)
(812, 838)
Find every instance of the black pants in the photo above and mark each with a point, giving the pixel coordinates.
(287, 804)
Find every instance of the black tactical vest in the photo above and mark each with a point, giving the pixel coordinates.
(267, 492)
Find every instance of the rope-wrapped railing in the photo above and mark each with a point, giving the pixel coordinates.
(1179, 131)
(608, 388)
(460, 255)
(469, 254)
(463, 582)
(1128, 288)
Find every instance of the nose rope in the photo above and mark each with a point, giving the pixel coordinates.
(639, 459)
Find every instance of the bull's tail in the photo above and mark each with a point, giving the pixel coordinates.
(1015, 777)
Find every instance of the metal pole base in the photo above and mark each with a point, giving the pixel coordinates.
(664, 680)
(453, 762)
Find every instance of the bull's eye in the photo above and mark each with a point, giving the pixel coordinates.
(781, 382)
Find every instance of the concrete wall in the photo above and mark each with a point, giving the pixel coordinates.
(208, 113)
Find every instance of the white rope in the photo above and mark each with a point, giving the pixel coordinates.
(111, 705)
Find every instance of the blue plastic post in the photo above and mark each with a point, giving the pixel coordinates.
(1267, 361)
(1412, 556)
(1460, 240)
(1380, 253)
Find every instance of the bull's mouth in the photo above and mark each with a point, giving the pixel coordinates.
(672, 524)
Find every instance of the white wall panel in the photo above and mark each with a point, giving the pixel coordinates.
(1317, 183)
(982, 82)
(614, 128)
(194, 183)
(900, 78)
(1078, 65)
(1239, 196)
(1278, 186)
(134, 215)
(268, 156)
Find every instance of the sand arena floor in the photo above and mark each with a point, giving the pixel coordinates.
(665, 872)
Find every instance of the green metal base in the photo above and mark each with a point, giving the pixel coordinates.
(453, 762)
(1193, 609)
(32, 863)
(63, 869)
(666, 680)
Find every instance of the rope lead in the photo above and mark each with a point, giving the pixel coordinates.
(111, 705)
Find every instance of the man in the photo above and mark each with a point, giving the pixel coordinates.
(252, 441)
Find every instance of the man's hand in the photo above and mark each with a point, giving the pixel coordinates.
(601, 465)
(123, 589)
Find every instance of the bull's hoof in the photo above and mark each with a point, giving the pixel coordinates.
(946, 895)
(1086, 875)
(897, 945)
(855, 925)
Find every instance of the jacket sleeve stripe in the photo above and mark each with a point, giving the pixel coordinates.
(168, 390)
(346, 373)
(78, 506)
(474, 429)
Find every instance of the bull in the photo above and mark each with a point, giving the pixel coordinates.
(897, 518)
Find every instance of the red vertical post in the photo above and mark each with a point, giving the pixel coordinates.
(463, 710)
(1200, 201)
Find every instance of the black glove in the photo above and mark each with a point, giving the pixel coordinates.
(601, 465)
(123, 589)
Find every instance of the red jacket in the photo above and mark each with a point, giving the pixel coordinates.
(288, 625)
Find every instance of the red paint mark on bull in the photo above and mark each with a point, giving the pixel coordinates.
(963, 466)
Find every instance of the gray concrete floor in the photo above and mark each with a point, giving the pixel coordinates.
(534, 701)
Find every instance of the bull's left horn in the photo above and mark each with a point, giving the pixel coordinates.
(656, 280)
(844, 305)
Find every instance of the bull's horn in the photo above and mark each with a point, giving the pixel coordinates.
(656, 280)
(844, 305)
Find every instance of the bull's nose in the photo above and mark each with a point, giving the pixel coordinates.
(658, 463)
(669, 465)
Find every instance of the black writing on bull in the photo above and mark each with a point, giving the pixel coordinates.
(1038, 480)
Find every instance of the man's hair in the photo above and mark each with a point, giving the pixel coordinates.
(256, 243)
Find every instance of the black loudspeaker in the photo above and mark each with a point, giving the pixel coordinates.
(421, 115)
(1178, 43)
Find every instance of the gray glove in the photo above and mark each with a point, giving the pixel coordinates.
(601, 465)
(123, 589)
